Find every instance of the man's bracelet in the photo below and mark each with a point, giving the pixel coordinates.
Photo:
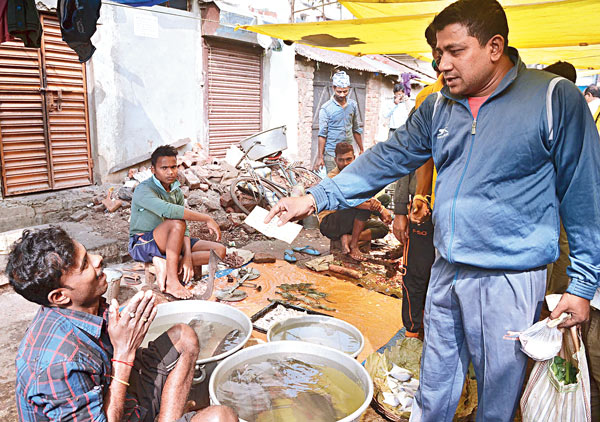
(423, 198)
(122, 361)
(120, 380)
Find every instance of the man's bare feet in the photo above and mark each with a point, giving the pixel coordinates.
(176, 289)
(160, 267)
(352, 252)
(356, 254)
(345, 240)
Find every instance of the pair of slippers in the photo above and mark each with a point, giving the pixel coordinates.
(289, 256)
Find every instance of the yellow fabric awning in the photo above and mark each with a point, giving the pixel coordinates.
(543, 31)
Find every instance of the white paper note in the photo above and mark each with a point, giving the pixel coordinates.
(287, 232)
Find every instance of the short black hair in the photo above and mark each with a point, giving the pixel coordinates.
(593, 90)
(483, 19)
(38, 260)
(163, 151)
(343, 148)
(430, 36)
(398, 88)
(564, 69)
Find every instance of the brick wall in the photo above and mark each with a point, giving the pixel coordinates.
(304, 71)
(373, 107)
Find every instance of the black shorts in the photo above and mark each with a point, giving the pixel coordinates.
(340, 222)
(151, 367)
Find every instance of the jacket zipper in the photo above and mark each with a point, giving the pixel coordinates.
(473, 132)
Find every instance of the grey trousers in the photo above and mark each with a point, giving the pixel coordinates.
(469, 316)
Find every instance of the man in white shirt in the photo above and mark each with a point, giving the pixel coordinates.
(592, 96)
(398, 111)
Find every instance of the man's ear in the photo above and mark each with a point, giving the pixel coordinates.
(496, 45)
(59, 297)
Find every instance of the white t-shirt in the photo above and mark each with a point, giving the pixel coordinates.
(398, 113)
(593, 105)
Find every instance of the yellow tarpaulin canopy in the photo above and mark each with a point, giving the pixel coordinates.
(543, 31)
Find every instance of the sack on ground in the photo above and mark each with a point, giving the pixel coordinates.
(559, 388)
(541, 341)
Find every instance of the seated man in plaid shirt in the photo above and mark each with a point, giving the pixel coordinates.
(80, 358)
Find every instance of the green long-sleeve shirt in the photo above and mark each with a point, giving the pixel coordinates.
(152, 204)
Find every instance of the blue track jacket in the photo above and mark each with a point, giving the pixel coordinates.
(532, 155)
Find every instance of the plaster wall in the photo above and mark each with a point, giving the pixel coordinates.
(144, 83)
(280, 96)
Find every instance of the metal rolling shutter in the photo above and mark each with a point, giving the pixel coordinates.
(67, 110)
(43, 116)
(23, 147)
(234, 96)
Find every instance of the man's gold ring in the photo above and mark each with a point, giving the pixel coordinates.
(145, 319)
(131, 314)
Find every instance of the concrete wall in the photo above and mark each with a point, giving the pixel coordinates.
(280, 96)
(144, 82)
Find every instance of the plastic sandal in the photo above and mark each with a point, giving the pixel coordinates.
(288, 255)
(307, 250)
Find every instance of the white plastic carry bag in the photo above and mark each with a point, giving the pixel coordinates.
(558, 389)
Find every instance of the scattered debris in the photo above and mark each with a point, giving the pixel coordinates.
(348, 272)
(263, 258)
(79, 215)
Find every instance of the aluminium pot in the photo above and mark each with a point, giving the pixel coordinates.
(322, 354)
(320, 320)
(183, 311)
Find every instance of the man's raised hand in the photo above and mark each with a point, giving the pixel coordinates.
(291, 209)
(128, 328)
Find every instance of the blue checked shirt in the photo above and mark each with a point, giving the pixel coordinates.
(64, 366)
(337, 123)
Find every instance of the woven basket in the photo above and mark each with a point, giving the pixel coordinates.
(386, 413)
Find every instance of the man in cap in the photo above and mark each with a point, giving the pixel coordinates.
(515, 149)
(338, 122)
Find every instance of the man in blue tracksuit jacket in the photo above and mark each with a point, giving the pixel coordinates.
(515, 149)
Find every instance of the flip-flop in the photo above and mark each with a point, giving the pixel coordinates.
(288, 255)
(307, 250)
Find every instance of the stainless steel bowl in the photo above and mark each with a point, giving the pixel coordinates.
(322, 354)
(216, 312)
(350, 329)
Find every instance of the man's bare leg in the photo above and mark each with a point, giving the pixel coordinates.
(168, 236)
(357, 229)
(215, 414)
(160, 267)
(179, 381)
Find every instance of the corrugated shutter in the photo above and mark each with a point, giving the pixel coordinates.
(43, 116)
(234, 96)
(67, 110)
(23, 144)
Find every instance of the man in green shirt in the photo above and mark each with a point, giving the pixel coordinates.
(158, 231)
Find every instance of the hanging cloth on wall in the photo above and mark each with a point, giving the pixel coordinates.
(4, 34)
(78, 23)
(23, 22)
(139, 3)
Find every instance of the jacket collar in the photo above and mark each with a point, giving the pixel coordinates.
(508, 79)
(175, 185)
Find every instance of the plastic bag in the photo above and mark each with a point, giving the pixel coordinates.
(541, 341)
(551, 395)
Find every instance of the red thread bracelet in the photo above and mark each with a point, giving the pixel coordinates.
(123, 362)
